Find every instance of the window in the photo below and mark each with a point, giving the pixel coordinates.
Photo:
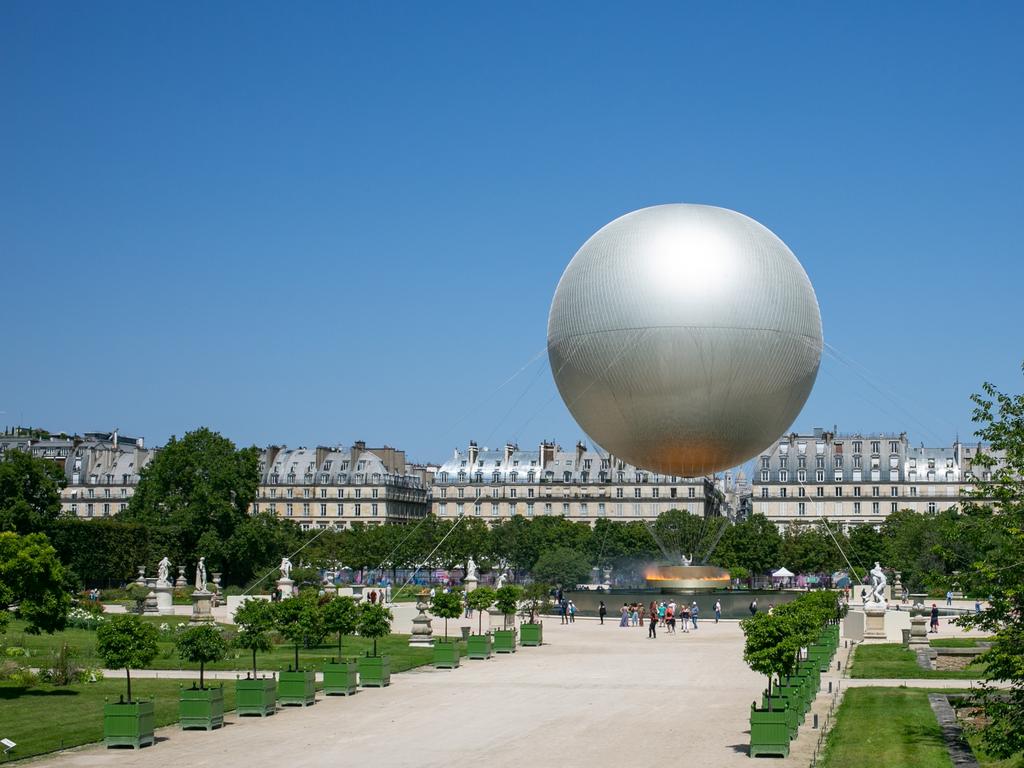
(618, 493)
(894, 446)
(583, 508)
(820, 462)
(876, 446)
(764, 475)
(764, 462)
(839, 490)
(856, 490)
(913, 490)
(323, 510)
(819, 475)
(874, 507)
(442, 509)
(511, 492)
(894, 506)
(801, 491)
(801, 508)
(654, 492)
(801, 475)
(565, 508)
(819, 491)
(529, 493)
(856, 507)
(305, 509)
(837, 462)
(529, 508)
(288, 509)
(931, 507)
(691, 493)
(783, 461)
(875, 491)
(359, 510)
(782, 492)
(894, 490)
(290, 493)
(547, 508)
(783, 476)
(636, 493)
(600, 509)
(764, 493)
(88, 510)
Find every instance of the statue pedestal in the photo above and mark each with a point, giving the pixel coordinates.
(202, 608)
(422, 633)
(149, 605)
(874, 621)
(164, 598)
(181, 581)
(469, 583)
(918, 629)
(287, 587)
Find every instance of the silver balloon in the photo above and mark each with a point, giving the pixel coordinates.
(684, 339)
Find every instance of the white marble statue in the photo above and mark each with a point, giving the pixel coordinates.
(286, 568)
(201, 575)
(687, 561)
(878, 582)
(163, 570)
(471, 570)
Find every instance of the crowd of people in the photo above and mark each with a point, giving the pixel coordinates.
(667, 614)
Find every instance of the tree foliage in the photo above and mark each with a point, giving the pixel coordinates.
(446, 605)
(254, 619)
(374, 622)
(126, 642)
(201, 645)
(480, 600)
(341, 615)
(300, 620)
(32, 577)
(995, 511)
(29, 492)
(562, 565)
(507, 600)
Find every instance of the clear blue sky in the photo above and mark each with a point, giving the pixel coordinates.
(321, 222)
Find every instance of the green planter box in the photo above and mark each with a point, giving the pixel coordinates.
(780, 701)
(256, 696)
(504, 641)
(769, 732)
(374, 671)
(446, 654)
(201, 708)
(531, 634)
(296, 688)
(128, 725)
(341, 678)
(479, 647)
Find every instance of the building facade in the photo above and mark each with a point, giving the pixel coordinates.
(858, 479)
(335, 487)
(580, 484)
(101, 473)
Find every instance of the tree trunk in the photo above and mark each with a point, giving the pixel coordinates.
(253, 663)
(128, 677)
(201, 675)
(296, 656)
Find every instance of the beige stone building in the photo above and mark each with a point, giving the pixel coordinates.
(580, 484)
(101, 471)
(858, 479)
(334, 487)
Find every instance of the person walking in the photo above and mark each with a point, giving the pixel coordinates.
(565, 612)
(624, 618)
(572, 612)
(662, 608)
(635, 615)
(753, 606)
(949, 597)
(684, 617)
(935, 618)
(652, 627)
(670, 618)
(718, 611)
(601, 611)
(694, 611)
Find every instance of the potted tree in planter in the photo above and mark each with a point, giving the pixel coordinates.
(507, 601)
(126, 641)
(340, 615)
(446, 605)
(770, 649)
(202, 707)
(537, 599)
(479, 645)
(255, 695)
(374, 622)
(300, 620)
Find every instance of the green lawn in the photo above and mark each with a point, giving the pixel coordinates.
(958, 642)
(892, 660)
(84, 642)
(885, 728)
(45, 718)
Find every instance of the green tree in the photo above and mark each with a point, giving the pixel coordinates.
(480, 600)
(32, 577)
(866, 545)
(254, 620)
(507, 601)
(126, 642)
(997, 501)
(754, 544)
(446, 605)
(29, 492)
(198, 484)
(202, 645)
(771, 644)
(341, 615)
(374, 622)
(300, 620)
(562, 565)
(536, 600)
(808, 548)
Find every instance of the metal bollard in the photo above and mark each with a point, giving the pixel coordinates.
(839, 665)
(830, 686)
(815, 726)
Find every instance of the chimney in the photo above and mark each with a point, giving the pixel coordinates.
(473, 453)
(509, 449)
(115, 438)
(547, 453)
(581, 448)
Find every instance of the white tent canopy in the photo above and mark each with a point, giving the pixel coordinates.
(783, 573)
